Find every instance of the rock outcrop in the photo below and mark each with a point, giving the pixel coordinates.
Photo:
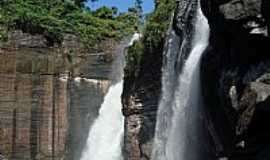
(235, 71)
(140, 103)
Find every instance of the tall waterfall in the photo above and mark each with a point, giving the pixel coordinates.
(104, 141)
(106, 134)
(177, 133)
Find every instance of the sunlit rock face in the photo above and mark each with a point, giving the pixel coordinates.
(34, 115)
(42, 107)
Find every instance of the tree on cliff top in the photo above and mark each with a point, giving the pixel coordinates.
(55, 18)
(106, 13)
(154, 33)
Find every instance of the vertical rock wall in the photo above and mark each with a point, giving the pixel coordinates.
(34, 109)
(234, 73)
(37, 113)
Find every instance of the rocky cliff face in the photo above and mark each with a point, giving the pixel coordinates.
(235, 71)
(235, 80)
(45, 107)
(30, 125)
(140, 103)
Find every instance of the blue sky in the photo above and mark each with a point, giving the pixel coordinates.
(122, 5)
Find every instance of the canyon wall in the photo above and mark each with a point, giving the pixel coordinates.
(45, 111)
(30, 104)
(140, 102)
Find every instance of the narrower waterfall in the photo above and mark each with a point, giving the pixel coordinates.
(177, 130)
(105, 136)
(106, 133)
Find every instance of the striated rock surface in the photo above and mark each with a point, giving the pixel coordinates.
(49, 96)
(140, 102)
(34, 114)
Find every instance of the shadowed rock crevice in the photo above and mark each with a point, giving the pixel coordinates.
(232, 68)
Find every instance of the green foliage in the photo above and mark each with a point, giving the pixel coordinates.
(3, 34)
(56, 18)
(133, 59)
(80, 3)
(130, 18)
(106, 13)
(154, 33)
(157, 24)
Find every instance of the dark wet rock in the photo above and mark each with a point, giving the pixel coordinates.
(140, 103)
(240, 9)
(235, 76)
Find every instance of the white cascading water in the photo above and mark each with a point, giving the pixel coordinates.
(106, 133)
(176, 136)
(104, 140)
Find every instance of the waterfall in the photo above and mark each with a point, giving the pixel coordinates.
(106, 133)
(177, 134)
(105, 136)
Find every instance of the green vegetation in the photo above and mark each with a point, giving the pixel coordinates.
(55, 18)
(3, 34)
(106, 13)
(158, 24)
(133, 59)
(154, 34)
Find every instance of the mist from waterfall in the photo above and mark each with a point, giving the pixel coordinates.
(177, 134)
